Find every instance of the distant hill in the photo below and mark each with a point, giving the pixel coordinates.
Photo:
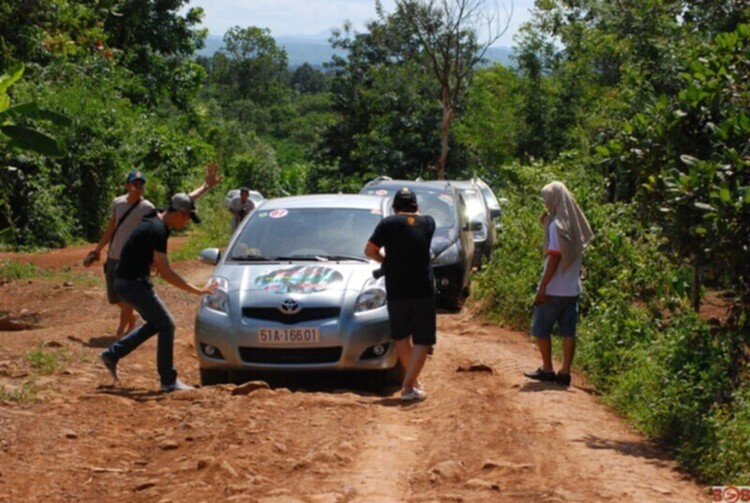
(316, 50)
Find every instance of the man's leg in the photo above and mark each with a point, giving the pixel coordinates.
(416, 364)
(127, 319)
(545, 349)
(569, 349)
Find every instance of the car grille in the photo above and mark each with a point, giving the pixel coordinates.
(307, 314)
(290, 355)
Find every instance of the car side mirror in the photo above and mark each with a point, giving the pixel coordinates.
(210, 256)
(473, 226)
(495, 213)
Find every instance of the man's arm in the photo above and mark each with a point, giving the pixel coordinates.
(210, 180)
(372, 251)
(161, 263)
(96, 252)
(552, 262)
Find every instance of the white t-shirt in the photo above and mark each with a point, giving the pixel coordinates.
(120, 205)
(236, 205)
(564, 283)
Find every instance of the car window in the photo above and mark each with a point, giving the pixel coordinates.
(306, 232)
(475, 208)
(440, 206)
(489, 197)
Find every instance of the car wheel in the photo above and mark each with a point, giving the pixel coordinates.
(212, 376)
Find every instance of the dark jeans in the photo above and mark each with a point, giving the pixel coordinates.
(140, 294)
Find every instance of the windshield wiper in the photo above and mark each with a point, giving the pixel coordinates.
(344, 257)
(312, 258)
(252, 258)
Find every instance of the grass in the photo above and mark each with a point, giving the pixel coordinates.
(13, 270)
(46, 362)
(25, 394)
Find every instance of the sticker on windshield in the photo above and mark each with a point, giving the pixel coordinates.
(298, 279)
(381, 192)
(278, 213)
(446, 197)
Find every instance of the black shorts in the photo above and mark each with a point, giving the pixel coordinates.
(415, 317)
(110, 270)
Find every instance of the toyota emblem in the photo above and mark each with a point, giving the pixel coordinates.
(289, 306)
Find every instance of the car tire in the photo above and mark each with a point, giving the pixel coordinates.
(213, 376)
(387, 378)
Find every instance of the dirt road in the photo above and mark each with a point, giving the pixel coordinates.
(67, 434)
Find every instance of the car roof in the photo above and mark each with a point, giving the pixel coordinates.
(353, 201)
(415, 185)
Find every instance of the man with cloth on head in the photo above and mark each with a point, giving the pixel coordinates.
(410, 285)
(566, 234)
(147, 248)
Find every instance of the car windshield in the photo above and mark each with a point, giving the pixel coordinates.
(306, 233)
(439, 205)
(474, 204)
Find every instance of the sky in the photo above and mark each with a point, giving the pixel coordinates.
(316, 18)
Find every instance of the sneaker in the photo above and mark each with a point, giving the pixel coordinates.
(177, 385)
(110, 364)
(414, 395)
(563, 379)
(541, 375)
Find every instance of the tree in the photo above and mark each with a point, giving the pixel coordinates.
(388, 123)
(448, 31)
(251, 65)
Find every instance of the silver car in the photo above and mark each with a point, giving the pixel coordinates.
(295, 292)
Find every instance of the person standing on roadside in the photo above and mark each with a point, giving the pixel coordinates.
(240, 206)
(566, 234)
(146, 248)
(410, 285)
(126, 212)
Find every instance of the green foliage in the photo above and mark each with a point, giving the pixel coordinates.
(13, 270)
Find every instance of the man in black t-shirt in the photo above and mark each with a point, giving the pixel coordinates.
(410, 285)
(147, 246)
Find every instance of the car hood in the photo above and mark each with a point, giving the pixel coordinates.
(268, 283)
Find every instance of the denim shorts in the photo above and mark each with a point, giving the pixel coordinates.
(562, 311)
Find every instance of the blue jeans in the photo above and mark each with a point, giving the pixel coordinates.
(140, 294)
(560, 310)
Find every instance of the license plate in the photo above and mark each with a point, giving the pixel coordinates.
(288, 335)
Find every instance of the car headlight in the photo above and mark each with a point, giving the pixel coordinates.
(449, 256)
(372, 297)
(219, 299)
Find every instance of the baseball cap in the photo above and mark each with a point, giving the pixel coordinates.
(184, 203)
(405, 199)
(244, 189)
(136, 175)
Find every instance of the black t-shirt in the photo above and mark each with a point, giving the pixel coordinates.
(407, 265)
(138, 253)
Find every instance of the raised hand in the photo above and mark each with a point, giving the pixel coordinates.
(210, 178)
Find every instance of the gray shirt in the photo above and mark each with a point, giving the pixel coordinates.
(120, 206)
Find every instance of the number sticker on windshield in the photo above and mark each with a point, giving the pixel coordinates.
(278, 213)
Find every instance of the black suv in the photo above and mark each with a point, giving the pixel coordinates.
(452, 244)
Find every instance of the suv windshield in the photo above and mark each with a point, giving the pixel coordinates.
(306, 233)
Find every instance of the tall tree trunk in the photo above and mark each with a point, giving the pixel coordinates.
(444, 135)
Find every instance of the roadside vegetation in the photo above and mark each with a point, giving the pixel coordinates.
(640, 108)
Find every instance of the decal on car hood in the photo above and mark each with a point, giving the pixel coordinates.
(298, 279)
